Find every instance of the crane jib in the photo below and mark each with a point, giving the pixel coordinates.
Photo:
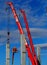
(21, 32)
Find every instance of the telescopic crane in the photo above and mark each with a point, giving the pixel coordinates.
(30, 54)
(29, 35)
(21, 32)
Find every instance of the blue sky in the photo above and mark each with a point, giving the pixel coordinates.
(37, 19)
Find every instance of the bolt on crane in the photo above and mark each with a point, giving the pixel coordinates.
(32, 58)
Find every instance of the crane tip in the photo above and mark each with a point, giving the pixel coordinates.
(21, 10)
(9, 3)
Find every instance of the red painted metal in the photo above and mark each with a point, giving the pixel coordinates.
(28, 31)
(21, 32)
(29, 36)
(30, 55)
(14, 50)
(16, 17)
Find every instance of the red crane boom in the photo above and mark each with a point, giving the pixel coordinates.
(21, 32)
(29, 35)
(28, 31)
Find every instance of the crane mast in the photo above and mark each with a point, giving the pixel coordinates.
(8, 39)
(22, 33)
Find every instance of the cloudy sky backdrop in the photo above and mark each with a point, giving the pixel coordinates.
(36, 13)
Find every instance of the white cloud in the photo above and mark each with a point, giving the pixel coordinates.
(32, 20)
(15, 35)
(36, 21)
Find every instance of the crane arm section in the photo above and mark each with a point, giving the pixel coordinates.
(16, 17)
(21, 31)
(29, 35)
(28, 31)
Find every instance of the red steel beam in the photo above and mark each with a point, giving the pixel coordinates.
(29, 35)
(28, 31)
(21, 32)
